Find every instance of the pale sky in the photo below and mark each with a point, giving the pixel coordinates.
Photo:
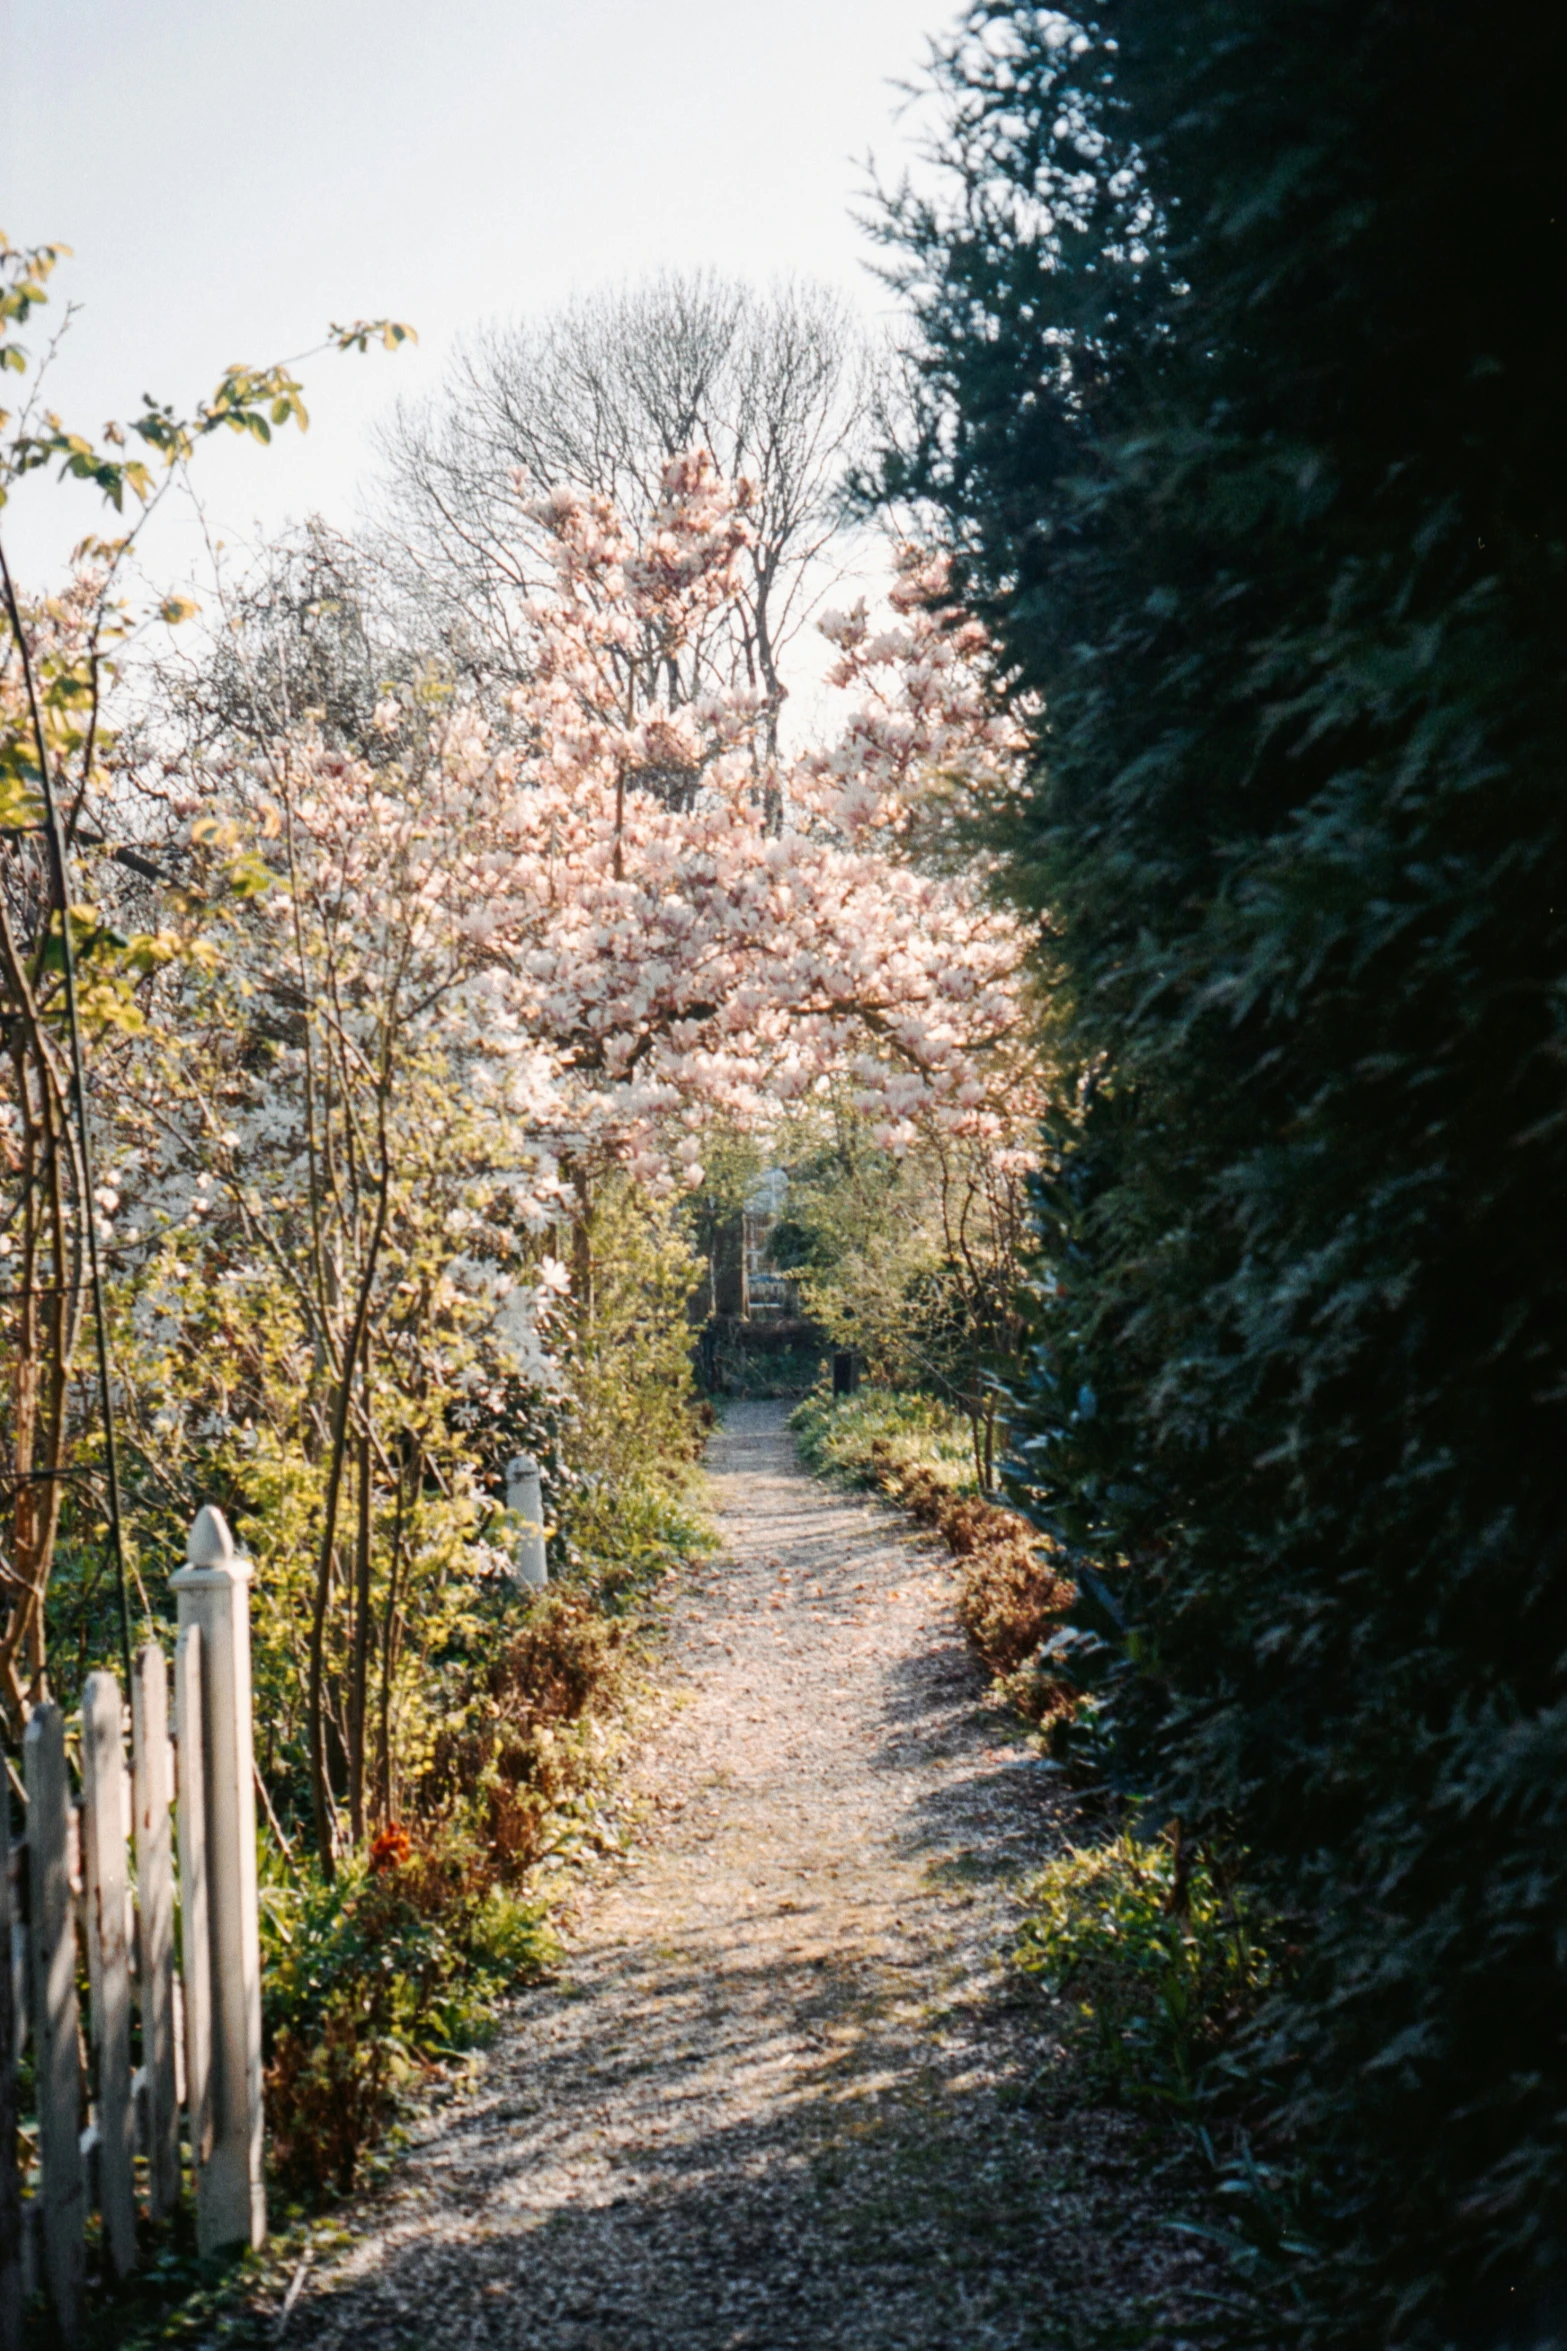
(232, 177)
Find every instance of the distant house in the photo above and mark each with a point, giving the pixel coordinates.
(755, 1339)
(769, 1296)
(744, 1287)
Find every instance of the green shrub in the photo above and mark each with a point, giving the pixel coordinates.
(1161, 1962)
(526, 1741)
(625, 1537)
(635, 1417)
(839, 1436)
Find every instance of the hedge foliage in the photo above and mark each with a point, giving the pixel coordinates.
(1240, 396)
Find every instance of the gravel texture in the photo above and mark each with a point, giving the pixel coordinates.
(785, 2092)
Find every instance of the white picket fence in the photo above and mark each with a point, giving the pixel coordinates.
(94, 1874)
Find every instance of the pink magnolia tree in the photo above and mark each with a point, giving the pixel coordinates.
(679, 926)
(614, 891)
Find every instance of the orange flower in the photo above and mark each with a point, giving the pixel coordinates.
(391, 1848)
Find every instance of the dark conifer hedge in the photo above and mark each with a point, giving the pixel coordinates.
(1242, 398)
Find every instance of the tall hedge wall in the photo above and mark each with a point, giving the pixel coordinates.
(1241, 396)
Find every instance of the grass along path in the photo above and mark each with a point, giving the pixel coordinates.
(778, 2097)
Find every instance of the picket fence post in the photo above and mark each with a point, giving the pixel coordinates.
(104, 1825)
(152, 1783)
(195, 1923)
(11, 2289)
(525, 1495)
(213, 1595)
(52, 1933)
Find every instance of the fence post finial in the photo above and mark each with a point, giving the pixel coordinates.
(209, 1543)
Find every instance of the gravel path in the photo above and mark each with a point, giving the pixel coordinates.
(785, 2094)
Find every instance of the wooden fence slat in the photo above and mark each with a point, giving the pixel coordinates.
(155, 1889)
(11, 2294)
(22, 2013)
(195, 1939)
(52, 1928)
(16, 1952)
(104, 1873)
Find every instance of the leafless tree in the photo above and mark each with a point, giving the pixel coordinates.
(305, 634)
(598, 396)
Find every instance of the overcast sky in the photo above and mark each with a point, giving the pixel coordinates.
(232, 177)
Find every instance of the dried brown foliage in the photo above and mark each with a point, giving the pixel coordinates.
(520, 1745)
(1012, 1591)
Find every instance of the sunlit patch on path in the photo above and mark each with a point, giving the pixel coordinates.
(779, 2097)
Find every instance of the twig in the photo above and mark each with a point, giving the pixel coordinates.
(60, 875)
(296, 2288)
(264, 1793)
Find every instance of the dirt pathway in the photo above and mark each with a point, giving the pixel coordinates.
(776, 2099)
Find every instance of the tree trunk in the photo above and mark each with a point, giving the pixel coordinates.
(360, 1661)
(407, 1468)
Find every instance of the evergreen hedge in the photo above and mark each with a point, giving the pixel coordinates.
(1241, 398)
